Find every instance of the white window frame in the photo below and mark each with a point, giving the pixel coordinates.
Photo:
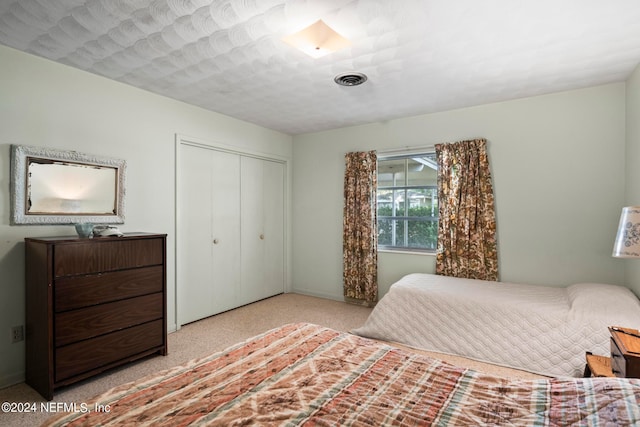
(404, 187)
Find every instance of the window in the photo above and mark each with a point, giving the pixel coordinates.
(407, 202)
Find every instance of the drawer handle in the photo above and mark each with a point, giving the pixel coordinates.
(615, 355)
(215, 241)
(262, 237)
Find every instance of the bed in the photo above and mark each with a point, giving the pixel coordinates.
(540, 329)
(305, 374)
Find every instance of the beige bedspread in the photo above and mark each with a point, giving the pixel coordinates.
(303, 374)
(541, 329)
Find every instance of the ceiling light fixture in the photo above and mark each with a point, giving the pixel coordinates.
(317, 40)
(350, 79)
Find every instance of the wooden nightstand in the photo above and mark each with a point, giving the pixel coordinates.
(598, 366)
(625, 352)
(625, 356)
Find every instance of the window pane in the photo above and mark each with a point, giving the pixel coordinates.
(385, 237)
(422, 234)
(385, 202)
(391, 173)
(399, 233)
(416, 234)
(407, 202)
(423, 202)
(398, 202)
(422, 171)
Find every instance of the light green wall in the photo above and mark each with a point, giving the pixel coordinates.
(51, 105)
(558, 167)
(632, 193)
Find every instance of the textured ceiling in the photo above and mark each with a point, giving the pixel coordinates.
(420, 56)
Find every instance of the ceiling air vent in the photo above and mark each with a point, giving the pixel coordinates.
(350, 79)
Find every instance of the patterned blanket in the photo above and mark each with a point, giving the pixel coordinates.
(303, 374)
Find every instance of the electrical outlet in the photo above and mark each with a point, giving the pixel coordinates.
(17, 334)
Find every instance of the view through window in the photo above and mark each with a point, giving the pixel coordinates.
(407, 202)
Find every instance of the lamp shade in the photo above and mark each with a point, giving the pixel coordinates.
(627, 244)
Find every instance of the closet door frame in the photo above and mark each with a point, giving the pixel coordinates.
(183, 140)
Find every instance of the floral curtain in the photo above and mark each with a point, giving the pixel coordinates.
(467, 244)
(360, 237)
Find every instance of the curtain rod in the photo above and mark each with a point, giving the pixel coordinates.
(406, 149)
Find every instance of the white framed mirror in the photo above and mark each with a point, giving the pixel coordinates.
(50, 186)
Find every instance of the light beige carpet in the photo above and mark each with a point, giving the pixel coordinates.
(214, 334)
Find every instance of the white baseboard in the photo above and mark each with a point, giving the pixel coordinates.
(318, 294)
(12, 379)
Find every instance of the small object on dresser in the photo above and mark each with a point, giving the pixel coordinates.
(84, 230)
(106, 231)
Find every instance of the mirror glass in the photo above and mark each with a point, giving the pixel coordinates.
(65, 187)
(70, 188)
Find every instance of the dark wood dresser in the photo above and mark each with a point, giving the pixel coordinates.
(91, 305)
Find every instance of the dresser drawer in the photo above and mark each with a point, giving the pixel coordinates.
(94, 256)
(81, 291)
(84, 323)
(618, 362)
(84, 356)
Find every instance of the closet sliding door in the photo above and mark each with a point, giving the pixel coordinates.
(262, 228)
(231, 230)
(209, 248)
